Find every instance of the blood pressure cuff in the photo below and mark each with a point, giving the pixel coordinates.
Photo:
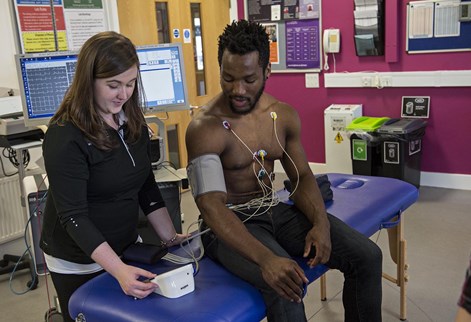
(144, 253)
(206, 175)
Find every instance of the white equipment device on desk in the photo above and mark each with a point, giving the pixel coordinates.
(11, 116)
(12, 127)
(175, 283)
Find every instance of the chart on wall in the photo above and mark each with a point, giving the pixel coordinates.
(45, 25)
(438, 26)
(293, 27)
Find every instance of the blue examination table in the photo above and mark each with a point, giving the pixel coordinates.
(366, 203)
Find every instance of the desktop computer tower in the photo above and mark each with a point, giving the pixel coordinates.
(36, 204)
(156, 151)
(171, 193)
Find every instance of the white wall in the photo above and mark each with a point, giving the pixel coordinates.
(233, 12)
(8, 76)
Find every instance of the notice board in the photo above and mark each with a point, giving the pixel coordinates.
(45, 25)
(437, 26)
(293, 27)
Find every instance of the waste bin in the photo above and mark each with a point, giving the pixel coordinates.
(401, 149)
(365, 144)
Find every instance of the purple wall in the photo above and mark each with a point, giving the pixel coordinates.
(447, 143)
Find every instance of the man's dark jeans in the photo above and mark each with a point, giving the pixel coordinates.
(283, 229)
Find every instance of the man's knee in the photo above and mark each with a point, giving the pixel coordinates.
(372, 256)
(280, 309)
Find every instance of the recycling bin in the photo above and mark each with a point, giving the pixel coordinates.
(365, 144)
(401, 149)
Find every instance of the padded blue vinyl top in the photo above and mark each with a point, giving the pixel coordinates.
(365, 203)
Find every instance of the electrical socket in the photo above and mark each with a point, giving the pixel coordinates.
(312, 80)
(385, 81)
(366, 81)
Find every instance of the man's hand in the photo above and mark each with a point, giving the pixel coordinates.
(285, 276)
(319, 237)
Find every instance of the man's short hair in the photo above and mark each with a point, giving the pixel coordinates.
(243, 37)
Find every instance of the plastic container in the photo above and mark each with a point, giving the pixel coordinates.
(401, 149)
(365, 144)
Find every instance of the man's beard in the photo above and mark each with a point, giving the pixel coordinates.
(252, 106)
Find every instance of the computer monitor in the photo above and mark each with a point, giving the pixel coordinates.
(163, 77)
(45, 77)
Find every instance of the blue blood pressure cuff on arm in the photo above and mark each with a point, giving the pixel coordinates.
(205, 174)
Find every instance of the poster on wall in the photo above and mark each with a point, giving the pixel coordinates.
(272, 31)
(302, 44)
(290, 9)
(83, 19)
(269, 10)
(264, 10)
(309, 9)
(36, 28)
(75, 22)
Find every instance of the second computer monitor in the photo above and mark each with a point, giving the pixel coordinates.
(45, 77)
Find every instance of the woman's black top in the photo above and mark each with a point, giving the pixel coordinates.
(94, 195)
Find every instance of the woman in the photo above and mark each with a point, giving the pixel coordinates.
(96, 153)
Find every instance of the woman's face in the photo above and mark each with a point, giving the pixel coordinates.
(110, 94)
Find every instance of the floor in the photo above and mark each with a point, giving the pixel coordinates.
(437, 230)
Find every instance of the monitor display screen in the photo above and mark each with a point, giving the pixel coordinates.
(163, 77)
(45, 77)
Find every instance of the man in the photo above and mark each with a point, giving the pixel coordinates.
(232, 144)
(464, 302)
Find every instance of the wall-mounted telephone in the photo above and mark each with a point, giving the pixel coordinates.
(331, 41)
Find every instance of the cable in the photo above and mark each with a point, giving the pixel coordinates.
(3, 169)
(12, 156)
(20, 259)
(268, 200)
(289, 157)
(189, 248)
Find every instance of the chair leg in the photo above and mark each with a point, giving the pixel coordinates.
(403, 279)
(398, 250)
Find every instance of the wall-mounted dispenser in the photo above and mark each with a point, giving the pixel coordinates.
(369, 28)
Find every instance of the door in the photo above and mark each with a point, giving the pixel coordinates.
(150, 22)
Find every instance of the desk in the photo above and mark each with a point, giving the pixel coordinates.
(366, 203)
(168, 174)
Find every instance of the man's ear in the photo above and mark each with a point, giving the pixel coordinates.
(268, 71)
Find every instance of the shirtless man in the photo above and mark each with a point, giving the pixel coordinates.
(232, 145)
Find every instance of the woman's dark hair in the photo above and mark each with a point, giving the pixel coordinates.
(104, 55)
(243, 37)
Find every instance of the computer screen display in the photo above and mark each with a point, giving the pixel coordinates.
(163, 77)
(45, 77)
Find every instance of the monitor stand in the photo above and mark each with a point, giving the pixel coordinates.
(12, 263)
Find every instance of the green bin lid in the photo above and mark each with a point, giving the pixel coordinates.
(366, 123)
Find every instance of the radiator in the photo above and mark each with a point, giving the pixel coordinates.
(12, 218)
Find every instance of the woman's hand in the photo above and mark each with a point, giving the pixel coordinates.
(129, 278)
